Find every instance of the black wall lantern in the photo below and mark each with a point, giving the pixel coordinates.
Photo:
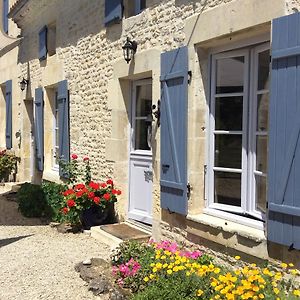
(23, 84)
(129, 49)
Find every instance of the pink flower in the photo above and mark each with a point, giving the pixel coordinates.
(74, 156)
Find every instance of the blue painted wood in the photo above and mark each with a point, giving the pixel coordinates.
(8, 105)
(284, 145)
(43, 43)
(39, 128)
(174, 97)
(63, 123)
(113, 11)
(4, 15)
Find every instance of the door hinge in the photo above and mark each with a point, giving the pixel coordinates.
(190, 77)
(188, 191)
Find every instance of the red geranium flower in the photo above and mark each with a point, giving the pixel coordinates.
(86, 158)
(119, 192)
(91, 195)
(65, 210)
(109, 181)
(103, 185)
(106, 196)
(79, 186)
(114, 192)
(68, 192)
(74, 156)
(94, 185)
(79, 194)
(97, 200)
(71, 203)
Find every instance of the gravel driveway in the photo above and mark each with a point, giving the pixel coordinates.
(37, 262)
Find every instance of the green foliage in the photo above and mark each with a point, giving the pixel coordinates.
(8, 164)
(32, 202)
(175, 287)
(54, 198)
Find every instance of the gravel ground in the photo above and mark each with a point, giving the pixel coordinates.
(37, 262)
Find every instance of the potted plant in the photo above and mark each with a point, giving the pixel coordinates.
(86, 203)
(8, 164)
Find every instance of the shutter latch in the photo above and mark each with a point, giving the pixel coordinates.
(189, 77)
(189, 188)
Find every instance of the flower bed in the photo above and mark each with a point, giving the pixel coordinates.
(164, 271)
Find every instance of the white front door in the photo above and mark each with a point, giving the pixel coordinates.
(140, 165)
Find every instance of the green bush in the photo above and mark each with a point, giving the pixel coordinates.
(54, 198)
(32, 202)
(8, 164)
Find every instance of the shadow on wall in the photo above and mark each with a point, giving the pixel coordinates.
(5, 242)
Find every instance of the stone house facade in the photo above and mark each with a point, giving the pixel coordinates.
(195, 167)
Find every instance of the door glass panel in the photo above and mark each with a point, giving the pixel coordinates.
(230, 75)
(228, 188)
(262, 112)
(263, 70)
(261, 193)
(229, 113)
(228, 151)
(261, 153)
(143, 100)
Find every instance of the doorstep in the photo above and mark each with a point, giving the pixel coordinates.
(114, 234)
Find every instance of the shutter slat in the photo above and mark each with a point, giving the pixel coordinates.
(43, 43)
(8, 105)
(113, 11)
(39, 128)
(63, 122)
(284, 146)
(174, 72)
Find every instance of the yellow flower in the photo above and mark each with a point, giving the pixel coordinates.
(146, 279)
(217, 270)
(165, 266)
(276, 290)
(199, 293)
(188, 273)
(151, 276)
(154, 270)
(237, 257)
(291, 264)
(284, 265)
(296, 293)
(261, 296)
(169, 271)
(294, 272)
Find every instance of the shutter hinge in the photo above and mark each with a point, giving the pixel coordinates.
(189, 188)
(267, 205)
(270, 58)
(190, 74)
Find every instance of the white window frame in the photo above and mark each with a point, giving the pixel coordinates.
(250, 52)
(55, 166)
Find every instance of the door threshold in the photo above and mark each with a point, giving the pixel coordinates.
(144, 226)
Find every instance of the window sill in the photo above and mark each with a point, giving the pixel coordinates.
(223, 224)
(51, 175)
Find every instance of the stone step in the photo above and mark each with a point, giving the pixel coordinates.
(114, 234)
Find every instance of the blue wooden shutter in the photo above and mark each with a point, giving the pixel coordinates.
(113, 11)
(284, 147)
(43, 43)
(8, 104)
(174, 83)
(39, 128)
(137, 7)
(63, 122)
(4, 15)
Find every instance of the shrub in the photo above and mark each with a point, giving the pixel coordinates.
(32, 202)
(54, 198)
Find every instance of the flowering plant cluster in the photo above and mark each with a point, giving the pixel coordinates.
(175, 274)
(81, 196)
(8, 164)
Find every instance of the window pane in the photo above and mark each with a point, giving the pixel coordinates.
(228, 188)
(230, 75)
(261, 192)
(143, 100)
(141, 134)
(229, 113)
(263, 70)
(261, 153)
(56, 137)
(228, 151)
(56, 156)
(262, 112)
